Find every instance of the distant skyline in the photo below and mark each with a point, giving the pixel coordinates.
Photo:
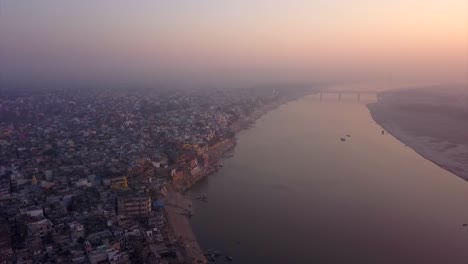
(234, 40)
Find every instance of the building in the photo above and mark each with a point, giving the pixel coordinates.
(116, 182)
(39, 228)
(178, 176)
(77, 231)
(133, 204)
(6, 251)
(4, 187)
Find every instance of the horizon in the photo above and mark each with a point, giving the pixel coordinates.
(244, 42)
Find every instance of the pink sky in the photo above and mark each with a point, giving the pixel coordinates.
(299, 39)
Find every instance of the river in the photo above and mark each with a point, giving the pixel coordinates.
(293, 192)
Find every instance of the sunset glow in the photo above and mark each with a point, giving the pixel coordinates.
(200, 38)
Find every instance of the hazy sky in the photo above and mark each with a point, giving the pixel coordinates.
(245, 39)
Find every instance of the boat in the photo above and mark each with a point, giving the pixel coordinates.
(229, 258)
(343, 139)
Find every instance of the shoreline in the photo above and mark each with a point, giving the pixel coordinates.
(177, 210)
(185, 229)
(431, 149)
(179, 223)
(243, 124)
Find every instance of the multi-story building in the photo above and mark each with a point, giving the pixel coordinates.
(77, 231)
(133, 204)
(39, 228)
(4, 187)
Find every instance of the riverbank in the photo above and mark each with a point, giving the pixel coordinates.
(178, 209)
(431, 121)
(217, 151)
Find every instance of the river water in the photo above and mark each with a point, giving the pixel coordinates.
(293, 192)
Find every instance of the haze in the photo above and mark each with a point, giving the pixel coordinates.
(235, 40)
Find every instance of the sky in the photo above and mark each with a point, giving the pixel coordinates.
(313, 40)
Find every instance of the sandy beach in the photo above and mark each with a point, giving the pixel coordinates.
(431, 121)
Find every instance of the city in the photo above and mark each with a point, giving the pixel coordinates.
(84, 175)
(244, 132)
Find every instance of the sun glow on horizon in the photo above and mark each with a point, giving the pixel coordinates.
(147, 36)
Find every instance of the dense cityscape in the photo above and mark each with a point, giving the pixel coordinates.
(98, 175)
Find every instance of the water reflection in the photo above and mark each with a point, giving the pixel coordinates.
(295, 193)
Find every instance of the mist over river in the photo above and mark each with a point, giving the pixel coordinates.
(294, 192)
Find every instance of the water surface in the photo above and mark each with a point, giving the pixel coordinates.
(295, 193)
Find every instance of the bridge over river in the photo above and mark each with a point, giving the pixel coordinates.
(339, 93)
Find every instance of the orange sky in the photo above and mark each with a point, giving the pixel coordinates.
(298, 38)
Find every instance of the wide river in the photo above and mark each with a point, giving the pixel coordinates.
(293, 192)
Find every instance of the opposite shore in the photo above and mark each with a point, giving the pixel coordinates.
(431, 121)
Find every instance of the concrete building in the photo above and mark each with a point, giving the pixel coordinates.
(39, 228)
(77, 231)
(131, 204)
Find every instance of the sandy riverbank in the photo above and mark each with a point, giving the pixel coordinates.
(432, 121)
(177, 209)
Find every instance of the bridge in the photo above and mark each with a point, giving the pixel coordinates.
(358, 93)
